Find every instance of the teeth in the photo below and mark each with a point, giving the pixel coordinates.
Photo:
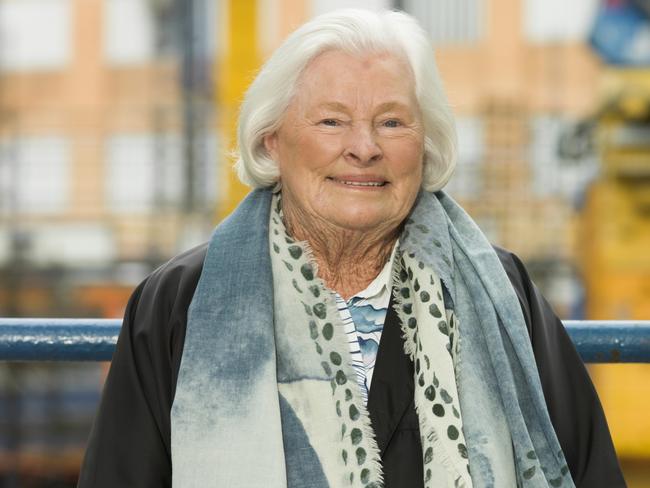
(362, 183)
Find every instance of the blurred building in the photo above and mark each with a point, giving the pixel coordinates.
(108, 140)
(107, 146)
(107, 168)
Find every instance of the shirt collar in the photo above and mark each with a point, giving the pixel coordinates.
(382, 282)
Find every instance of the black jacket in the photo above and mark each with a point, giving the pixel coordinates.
(129, 445)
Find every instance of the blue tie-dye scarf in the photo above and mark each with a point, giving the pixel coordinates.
(256, 399)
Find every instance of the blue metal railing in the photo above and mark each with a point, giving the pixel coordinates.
(58, 339)
(612, 341)
(94, 340)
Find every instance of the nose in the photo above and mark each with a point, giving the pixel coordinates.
(362, 147)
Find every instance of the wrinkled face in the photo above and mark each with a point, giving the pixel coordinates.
(351, 143)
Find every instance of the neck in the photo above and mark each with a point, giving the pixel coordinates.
(348, 260)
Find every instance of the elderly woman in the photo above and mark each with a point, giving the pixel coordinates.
(348, 324)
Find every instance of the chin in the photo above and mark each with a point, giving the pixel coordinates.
(359, 221)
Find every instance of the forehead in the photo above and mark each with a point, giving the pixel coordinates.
(335, 74)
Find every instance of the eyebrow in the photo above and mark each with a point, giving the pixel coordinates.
(338, 106)
(392, 105)
(341, 107)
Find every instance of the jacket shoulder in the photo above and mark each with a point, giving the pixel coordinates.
(159, 305)
(185, 266)
(177, 277)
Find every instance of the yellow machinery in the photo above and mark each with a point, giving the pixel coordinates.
(236, 70)
(614, 247)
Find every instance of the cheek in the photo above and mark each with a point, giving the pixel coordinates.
(408, 158)
(322, 147)
(318, 155)
(292, 161)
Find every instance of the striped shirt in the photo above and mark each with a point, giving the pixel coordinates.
(363, 317)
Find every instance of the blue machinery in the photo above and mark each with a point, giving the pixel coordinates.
(94, 340)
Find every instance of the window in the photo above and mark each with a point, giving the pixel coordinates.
(208, 154)
(35, 175)
(129, 31)
(322, 6)
(558, 20)
(34, 34)
(449, 21)
(7, 167)
(5, 246)
(79, 244)
(146, 172)
(143, 172)
(466, 180)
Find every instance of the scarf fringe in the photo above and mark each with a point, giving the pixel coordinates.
(410, 348)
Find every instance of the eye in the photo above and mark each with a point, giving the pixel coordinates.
(330, 122)
(392, 123)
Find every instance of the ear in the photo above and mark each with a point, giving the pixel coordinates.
(271, 145)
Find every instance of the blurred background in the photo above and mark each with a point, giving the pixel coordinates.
(117, 121)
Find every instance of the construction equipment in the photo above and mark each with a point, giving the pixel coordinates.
(615, 220)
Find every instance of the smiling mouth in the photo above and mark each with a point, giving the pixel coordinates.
(359, 184)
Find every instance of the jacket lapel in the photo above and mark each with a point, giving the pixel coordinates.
(391, 391)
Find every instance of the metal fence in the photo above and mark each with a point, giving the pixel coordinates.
(94, 340)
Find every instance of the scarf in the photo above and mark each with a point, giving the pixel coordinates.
(265, 396)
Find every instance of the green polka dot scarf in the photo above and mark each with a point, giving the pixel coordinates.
(431, 341)
(429, 338)
(328, 400)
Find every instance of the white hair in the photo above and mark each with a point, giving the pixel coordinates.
(356, 32)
